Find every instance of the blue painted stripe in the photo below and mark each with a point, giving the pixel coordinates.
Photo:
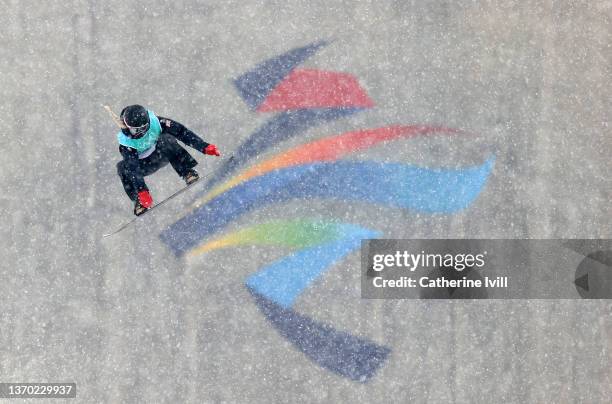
(390, 184)
(284, 280)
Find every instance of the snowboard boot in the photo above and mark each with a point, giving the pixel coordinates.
(191, 177)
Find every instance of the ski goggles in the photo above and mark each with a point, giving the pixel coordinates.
(138, 131)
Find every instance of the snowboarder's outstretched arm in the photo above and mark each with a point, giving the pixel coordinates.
(186, 136)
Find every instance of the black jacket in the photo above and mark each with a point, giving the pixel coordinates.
(174, 128)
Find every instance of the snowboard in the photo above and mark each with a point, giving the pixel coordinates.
(177, 193)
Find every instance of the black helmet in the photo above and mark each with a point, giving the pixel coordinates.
(136, 118)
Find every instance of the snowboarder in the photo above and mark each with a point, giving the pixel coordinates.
(147, 143)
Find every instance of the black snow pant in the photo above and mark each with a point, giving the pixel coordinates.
(167, 150)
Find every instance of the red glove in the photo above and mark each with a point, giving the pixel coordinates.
(145, 199)
(211, 149)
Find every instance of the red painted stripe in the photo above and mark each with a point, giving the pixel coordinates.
(304, 88)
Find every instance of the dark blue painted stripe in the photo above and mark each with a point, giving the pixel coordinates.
(340, 352)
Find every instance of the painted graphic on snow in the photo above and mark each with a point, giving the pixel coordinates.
(301, 99)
